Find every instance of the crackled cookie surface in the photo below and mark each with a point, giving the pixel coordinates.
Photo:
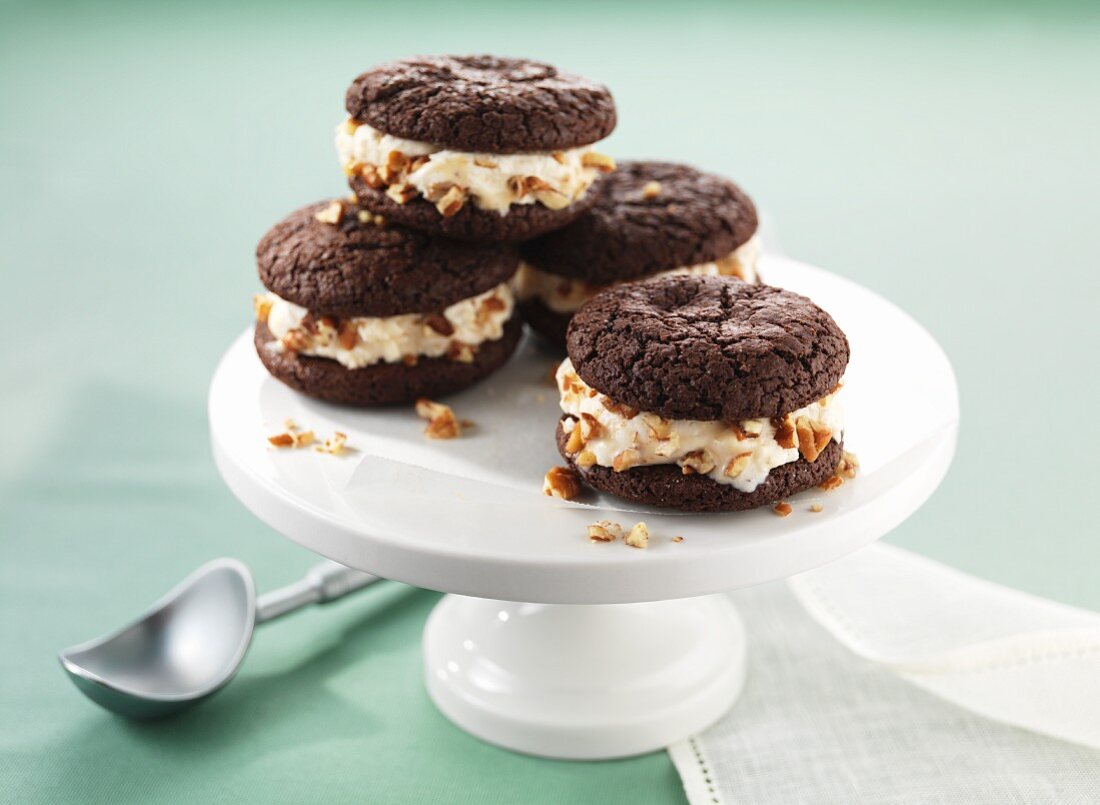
(649, 218)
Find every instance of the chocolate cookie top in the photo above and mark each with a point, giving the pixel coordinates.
(482, 103)
(703, 347)
(357, 268)
(649, 217)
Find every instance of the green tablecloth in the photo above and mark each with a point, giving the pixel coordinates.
(946, 158)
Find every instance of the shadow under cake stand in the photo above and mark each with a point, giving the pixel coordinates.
(547, 643)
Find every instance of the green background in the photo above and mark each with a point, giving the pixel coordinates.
(946, 157)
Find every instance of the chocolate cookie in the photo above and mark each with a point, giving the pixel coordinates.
(363, 313)
(482, 103)
(666, 485)
(548, 323)
(384, 383)
(707, 348)
(354, 267)
(650, 217)
(522, 222)
(475, 147)
(702, 393)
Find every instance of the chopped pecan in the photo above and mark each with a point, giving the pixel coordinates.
(401, 193)
(347, 334)
(371, 177)
(784, 431)
(442, 423)
(561, 482)
(604, 531)
(651, 190)
(451, 202)
(626, 459)
(439, 323)
(638, 537)
(575, 442)
(601, 162)
(332, 214)
(461, 352)
(736, 465)
(700, 461)
(623, 410)
(296, 340)
(782, 508)
(262, 305)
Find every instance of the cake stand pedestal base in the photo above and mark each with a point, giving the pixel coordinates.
(581, 681)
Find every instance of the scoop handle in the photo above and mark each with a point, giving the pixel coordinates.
(325, 582)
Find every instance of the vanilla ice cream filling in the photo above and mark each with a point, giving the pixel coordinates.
(609, 434)
(407, 169)
(566, 295)
(362, 341)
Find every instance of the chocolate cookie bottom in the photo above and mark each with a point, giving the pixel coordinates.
(666, 486)
(523, 221)
(548, 323)
(385, 383)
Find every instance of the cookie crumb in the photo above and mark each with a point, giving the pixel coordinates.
(442, 423)
(332, 214)
(816, 507)
(561, 482)
(638, 536)
(782, 508)
(604, 531)
(677, 539)
(651, 190)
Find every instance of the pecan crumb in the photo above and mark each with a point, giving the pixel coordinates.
(638, 536)
(651, 190)
(848, 465)
(604, 531)
(335, 446)
(442, 423)
(782, 508)
(281, 440)
(830, 483)
(332, 214)
(677, 539)
(816, 507)
(561, 482)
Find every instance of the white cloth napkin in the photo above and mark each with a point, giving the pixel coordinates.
(886, 677)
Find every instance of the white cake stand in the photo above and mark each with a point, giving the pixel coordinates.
(583, 669)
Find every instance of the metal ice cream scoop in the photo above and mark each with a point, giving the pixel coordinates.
(191, 642)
